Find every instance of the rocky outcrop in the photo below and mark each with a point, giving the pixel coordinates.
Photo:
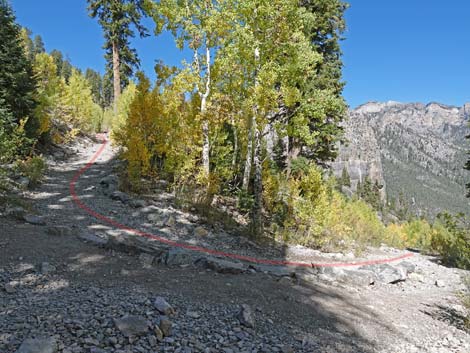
(416, 150)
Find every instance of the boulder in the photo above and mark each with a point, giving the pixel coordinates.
(132, 325)
(177, 257)
(38, 345)
(95, 239)
(35, 220)
(221, 266)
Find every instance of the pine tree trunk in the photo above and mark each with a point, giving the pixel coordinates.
(116, 76)
(292, 153)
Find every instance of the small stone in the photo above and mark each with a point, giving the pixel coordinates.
(137, 203)
(146, 260)
(46, 268)
(200, 232)
(163, 307)
(193, 314)
(16, 212)
(245, 316)
(132, 325)
(158, 333)
(100, 240)
(439, 283)
(38, 345)
(10, 288)
(120, 196)
(154, 217)
(170, 222)
(165, 326)
(59, 231)
(35, 220)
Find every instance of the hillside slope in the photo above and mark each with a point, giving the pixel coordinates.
(417, 151)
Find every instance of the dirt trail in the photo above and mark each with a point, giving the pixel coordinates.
(69, 291)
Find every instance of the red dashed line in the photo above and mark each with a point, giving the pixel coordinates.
(163, 240)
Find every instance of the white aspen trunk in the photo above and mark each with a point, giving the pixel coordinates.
(116, 76)
(235, 144)
(249, 155)
(205, 122)
(257, 211)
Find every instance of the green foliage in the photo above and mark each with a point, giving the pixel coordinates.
(118, 18)
(16, 82)
(452, 239)
(370, 193)
(79, 108)
(33, 168)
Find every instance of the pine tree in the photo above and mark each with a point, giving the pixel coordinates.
(38, 45)
(117, 18)
(16, 79)
(96, 83)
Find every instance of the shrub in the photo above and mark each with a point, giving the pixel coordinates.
(451, 239)
(33, 168)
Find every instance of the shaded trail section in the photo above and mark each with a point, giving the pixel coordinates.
(200, 249)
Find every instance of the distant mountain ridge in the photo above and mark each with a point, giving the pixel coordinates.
(416, 151)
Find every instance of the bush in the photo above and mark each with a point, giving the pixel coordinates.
(33, 168)
(451, 239)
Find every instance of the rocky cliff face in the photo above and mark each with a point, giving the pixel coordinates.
(417, 151)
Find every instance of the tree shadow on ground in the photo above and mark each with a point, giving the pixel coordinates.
(322, 317)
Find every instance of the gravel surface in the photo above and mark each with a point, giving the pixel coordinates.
(60, 292)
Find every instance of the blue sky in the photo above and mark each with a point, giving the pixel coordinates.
(403, 50)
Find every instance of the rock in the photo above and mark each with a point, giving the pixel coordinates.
(100, 240)
(193, 314)
(146, 260)
(158, 333)
(120, 196)
(16, 212)
(359, 277)
(200, 232)
(10, 288)
(46, 268)
(388, 274)
(439, 283)
(154, 217)
(36, 220)
(245, 316)
(170, 222)
(137, 203)
(24, 182)
(165, 326)
(38, 345)
(109, 180)
(163, 307)
(132, 325)
(59, 231)
(177, 257)
(221, 266)
(408, 266)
